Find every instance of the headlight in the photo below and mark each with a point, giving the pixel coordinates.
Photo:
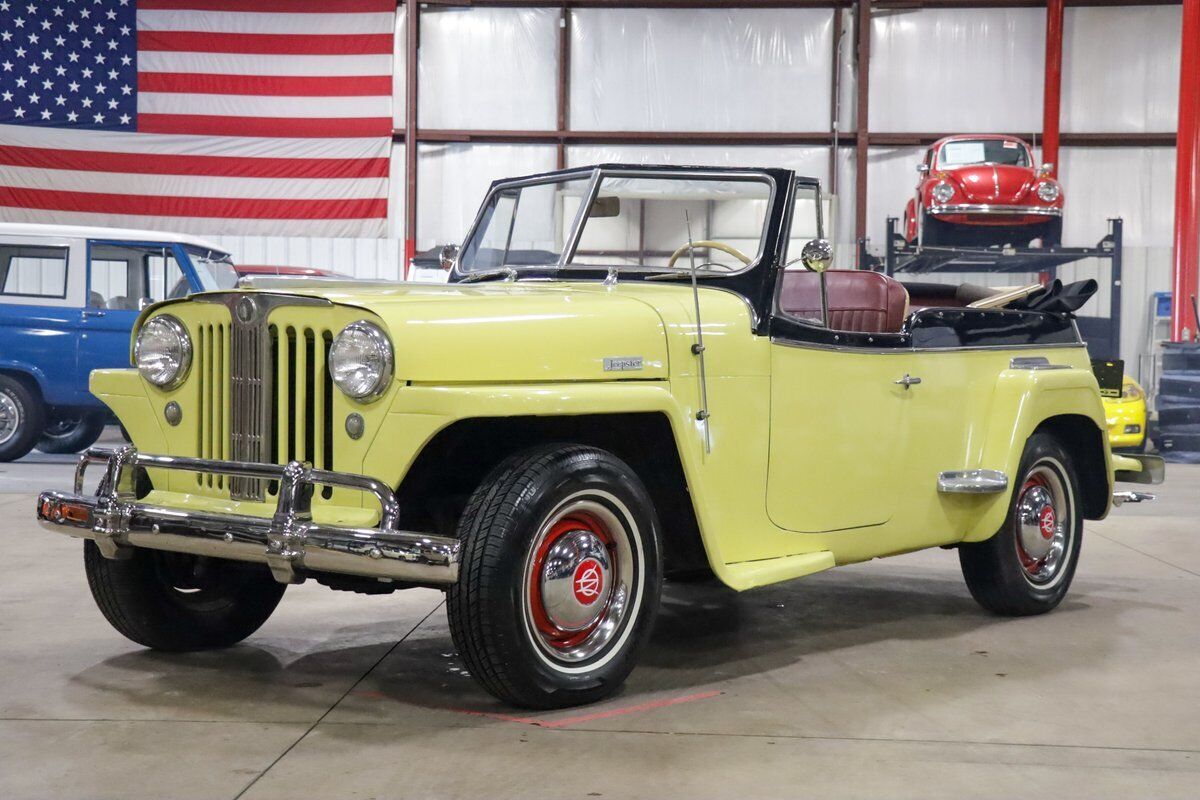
(163, 352)
(1131, 391)
(360, 360)
(943, 192)
(1047, 191)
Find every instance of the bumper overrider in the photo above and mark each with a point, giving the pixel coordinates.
(289, 542)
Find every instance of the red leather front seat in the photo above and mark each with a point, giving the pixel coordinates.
(859, 300)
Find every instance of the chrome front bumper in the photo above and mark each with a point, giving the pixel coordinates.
(1002, 210)
(289, 542)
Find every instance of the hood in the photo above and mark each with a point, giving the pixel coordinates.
(993, 184)
(505, 332)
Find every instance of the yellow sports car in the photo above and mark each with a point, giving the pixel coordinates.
(1126, 416)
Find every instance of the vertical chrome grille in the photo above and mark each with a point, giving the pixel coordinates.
(304, 392)
(212, 345)
(250, 411)
(265, 394)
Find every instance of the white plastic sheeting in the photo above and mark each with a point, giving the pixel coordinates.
(891, 180)
(809, 161)
(1134, 183)
(1121, 69)
(453, 179)
(488, 68)
(701, 70)
(972, 70)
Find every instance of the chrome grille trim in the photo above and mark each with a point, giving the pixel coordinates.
(250, 413)
(250, 382)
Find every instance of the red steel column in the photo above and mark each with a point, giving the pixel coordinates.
(1187, 179)
(412, 31)
(1052, 93)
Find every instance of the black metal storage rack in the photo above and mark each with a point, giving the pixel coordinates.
(1102, 334)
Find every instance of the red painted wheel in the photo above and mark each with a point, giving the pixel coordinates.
(1042, 520)
(577, 580)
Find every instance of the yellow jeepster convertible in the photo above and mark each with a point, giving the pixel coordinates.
(633, 372)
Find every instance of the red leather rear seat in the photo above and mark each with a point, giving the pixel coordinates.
(859, 300)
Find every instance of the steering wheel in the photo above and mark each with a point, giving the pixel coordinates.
(724, 248)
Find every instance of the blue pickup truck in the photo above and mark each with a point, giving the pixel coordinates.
(69, 296)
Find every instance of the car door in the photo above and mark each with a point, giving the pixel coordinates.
(122, 278)
(836, 419)
(41, 291)
(836, 414)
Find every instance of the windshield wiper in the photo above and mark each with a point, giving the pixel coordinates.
(507, 273)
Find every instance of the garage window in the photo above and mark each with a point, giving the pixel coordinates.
(31, 271)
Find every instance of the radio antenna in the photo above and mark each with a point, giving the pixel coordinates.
(698, 347)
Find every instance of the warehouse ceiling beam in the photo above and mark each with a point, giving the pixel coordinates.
(821, 138)
(879, 4)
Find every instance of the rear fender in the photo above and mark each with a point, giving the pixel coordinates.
(1026, 400)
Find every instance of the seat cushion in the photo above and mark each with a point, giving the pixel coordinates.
(859, 300)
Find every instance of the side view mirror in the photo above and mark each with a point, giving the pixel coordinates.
(817, 255)
(922, 169)
(144, 303)
(448, 256)
(1047, 168)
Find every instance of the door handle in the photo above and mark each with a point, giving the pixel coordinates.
(87, 312)
(907, 381)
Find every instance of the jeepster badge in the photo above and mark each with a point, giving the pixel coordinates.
(622, 363)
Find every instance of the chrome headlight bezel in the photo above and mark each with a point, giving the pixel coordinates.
(1048, 191)
(942, 192)
(172, 377)
(373, 337)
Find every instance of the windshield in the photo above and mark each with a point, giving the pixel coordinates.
(525, 225)
(214, 268)
(637, 222)
(967, 152)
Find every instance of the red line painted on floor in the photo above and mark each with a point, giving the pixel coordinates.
(556, 723)
(616, 712)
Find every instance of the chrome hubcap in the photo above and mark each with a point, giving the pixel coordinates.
(578, 581)
(1043, 519)
(10, 418)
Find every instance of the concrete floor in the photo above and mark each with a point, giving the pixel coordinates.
(877, 680)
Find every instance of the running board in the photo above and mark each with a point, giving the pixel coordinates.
(972, 481)
(745, 575)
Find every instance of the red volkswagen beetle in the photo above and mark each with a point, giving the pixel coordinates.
(983, 190)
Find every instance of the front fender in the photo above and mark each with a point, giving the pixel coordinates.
(1025, 400)
(418, 413)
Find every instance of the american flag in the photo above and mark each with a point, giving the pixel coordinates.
(269, 117)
